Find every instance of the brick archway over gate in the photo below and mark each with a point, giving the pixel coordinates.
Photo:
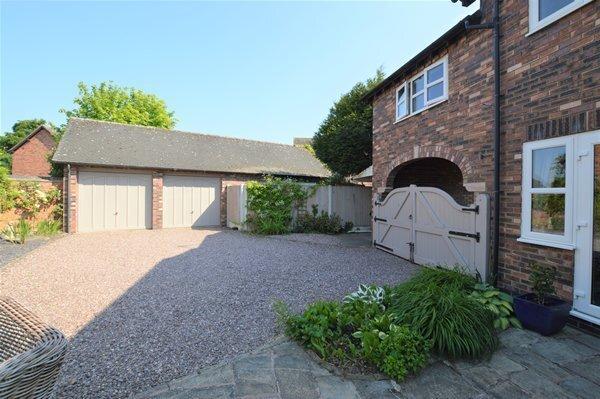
(436, 151)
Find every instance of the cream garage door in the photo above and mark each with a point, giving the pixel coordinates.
(114, 201)
(190, 201)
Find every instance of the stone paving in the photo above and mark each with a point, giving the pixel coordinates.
(526, 365)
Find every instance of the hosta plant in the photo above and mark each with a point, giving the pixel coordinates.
(497, 302)
(367, 294)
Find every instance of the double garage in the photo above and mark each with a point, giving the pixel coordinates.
(120, 176)
(117, 201)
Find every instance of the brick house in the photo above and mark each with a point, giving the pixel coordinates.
(433, 125)
(121, 176)
(30, 156)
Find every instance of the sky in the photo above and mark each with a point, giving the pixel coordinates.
(259, 70)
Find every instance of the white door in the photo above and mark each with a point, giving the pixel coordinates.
(190, 201)
(114, 201)
(426, 226)
(586, 290)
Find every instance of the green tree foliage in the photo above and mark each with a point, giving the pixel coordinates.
(109, 102)
(20, 130)
(344, 141)
(5, 159)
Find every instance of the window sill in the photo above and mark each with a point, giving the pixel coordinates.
(549, 20)
(432, 105)
(545, 243)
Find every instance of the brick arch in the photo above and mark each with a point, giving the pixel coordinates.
(435, 151)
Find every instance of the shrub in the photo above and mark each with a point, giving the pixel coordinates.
(17, 233)
(323, 223)
(542, 282)
(397, 350)
(48, 228)
(317, 328)
(497, 302)
(368, 294)
(8, 193)
(270, 204)
(456, 324)
(443, 277)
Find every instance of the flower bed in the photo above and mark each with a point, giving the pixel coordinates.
(395, 329)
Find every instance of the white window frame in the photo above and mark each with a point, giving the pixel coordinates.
(536, 24)
(564, 241)
(406, 101)
(410, 95)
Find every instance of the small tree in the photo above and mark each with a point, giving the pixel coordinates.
(344, 141)
(109, 102)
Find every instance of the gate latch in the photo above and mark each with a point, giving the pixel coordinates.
(476, 236)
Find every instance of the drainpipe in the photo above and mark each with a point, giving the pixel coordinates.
(68, 199)
(495, 26)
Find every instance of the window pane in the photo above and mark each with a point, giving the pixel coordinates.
(548, 7)
(435, 73)
(548, 169)
(548, 213)
(418, 102)
(435, 91)
(418, 84)
(401, 110)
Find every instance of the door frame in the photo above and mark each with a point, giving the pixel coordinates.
(583, 226)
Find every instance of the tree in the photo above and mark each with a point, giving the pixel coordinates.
(344, 141)
(20, 130)
(109, 102)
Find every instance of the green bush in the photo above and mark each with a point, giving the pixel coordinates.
(48, 228)
(315, 222)
(443, 277)
(18, 233)
(396, 350)
(542, 281)
(8, 193)
(437, 305)
(497, 302)
(318, 327)
(270, 205)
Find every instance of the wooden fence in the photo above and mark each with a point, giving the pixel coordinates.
(350, 203)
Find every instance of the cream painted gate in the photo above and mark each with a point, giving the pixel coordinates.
(426, 226)
(113, 201)
(191, 201)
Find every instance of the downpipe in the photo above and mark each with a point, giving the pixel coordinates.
(495, 27)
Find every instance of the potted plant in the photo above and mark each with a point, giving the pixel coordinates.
(540, 310)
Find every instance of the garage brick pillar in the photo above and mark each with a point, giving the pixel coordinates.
(157, 200)
(70, 180)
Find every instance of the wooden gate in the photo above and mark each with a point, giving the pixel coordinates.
(426, 226)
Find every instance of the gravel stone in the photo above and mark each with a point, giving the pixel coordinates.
(142, 308)
(10, 251)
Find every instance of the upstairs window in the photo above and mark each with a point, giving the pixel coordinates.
(544, 12)
(423, 90)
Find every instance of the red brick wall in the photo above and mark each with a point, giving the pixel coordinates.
(550, 87)
(31, 159)
(458, 129)
(14, 215)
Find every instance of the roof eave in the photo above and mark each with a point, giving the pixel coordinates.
(440, 43)
(29, 136)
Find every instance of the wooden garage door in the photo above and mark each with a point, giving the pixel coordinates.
(114, 201)
(190, 201)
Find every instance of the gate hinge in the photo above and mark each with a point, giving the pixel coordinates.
(376, 219)
(476, 236)
(476, 209)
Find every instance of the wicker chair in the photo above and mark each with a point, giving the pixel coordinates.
(31, 353)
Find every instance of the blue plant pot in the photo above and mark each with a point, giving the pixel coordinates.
(546, 319)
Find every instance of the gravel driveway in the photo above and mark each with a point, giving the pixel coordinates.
(145, 307)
